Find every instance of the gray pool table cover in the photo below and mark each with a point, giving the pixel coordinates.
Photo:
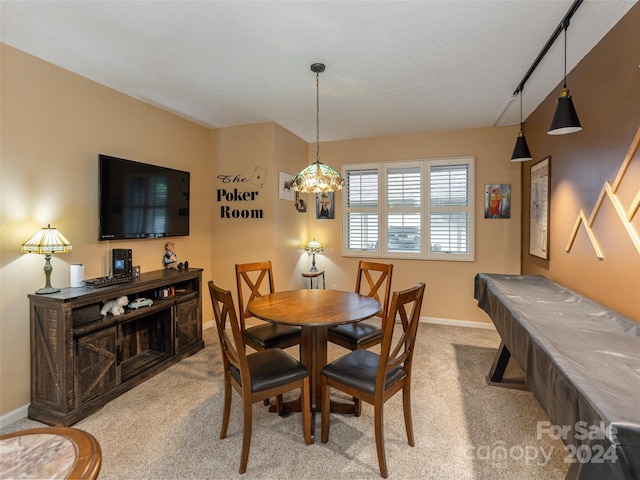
(581, 361)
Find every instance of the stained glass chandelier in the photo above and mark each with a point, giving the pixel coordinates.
(317, 177)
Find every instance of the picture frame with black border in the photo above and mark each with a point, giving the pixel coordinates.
(325, 206)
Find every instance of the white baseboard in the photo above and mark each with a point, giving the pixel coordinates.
(14, 416)
(458, 323)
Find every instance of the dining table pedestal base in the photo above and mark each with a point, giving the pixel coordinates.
(313, 352)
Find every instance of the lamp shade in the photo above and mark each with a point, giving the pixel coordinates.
(314, 247)
(47, 240)
(317, 178)
(521, 151)
(565, 120)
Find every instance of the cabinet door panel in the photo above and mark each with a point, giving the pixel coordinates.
(48, 357)
(187, 325)
(96, 364)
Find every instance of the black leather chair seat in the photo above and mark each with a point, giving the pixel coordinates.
(358, 369)
(271, 368)
(356, 333)
(271, 335)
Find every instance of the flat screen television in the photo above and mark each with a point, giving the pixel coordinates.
(138, 200)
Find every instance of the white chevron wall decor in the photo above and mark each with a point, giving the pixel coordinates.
(609, 191)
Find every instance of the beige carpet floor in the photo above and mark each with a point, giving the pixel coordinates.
(168, 427)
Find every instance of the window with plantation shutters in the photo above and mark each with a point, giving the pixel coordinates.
(403, 210)
(450, 220)
(362, 216)
(420, 209)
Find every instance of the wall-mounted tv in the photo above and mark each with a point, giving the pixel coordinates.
(138, 200)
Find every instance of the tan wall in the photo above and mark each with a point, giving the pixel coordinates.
(449, 293)
(291, 226)
(605, 87)
(53, 126)
(279, 235)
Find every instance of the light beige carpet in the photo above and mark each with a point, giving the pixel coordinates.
(168, 427)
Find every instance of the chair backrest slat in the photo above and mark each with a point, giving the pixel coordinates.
(250, 277)
(374, 280)
(407, 305)
(233, 349)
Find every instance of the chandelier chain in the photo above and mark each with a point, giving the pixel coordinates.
(317, 177)
(317, 116)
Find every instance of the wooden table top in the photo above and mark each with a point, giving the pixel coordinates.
(50, 452)
(314, 308)
(313, 274)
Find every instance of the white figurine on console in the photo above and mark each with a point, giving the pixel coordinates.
(115, 306)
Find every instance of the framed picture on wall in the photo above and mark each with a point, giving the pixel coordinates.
(324, 206)
(285, 191)
(539, 209)
(497, 200)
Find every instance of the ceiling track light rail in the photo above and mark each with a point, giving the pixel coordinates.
(564, 23)
(565, 119)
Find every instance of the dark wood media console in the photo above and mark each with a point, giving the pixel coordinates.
(81, 360)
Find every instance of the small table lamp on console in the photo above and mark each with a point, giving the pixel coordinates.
(314, 247)
(48, 240)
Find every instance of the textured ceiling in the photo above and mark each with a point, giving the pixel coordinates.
(393, 67)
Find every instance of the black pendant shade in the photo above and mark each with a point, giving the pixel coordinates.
(521, 151)
(565, 120)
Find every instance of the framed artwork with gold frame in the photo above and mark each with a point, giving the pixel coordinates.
(539, 209)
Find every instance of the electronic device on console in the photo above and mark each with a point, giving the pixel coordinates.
(107, 281)
(121, 269)
(122, 261)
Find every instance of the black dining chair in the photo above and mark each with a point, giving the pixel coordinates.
(375, 378)
(254, 377)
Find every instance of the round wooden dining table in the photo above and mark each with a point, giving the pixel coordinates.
(314, 311)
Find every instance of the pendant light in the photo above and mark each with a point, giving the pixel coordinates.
(565, 120)
(521, 151)
(317, 177)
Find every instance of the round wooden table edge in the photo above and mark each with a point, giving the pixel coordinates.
(88, 452)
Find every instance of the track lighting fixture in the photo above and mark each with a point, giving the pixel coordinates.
(565, 120)
(521, 151)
